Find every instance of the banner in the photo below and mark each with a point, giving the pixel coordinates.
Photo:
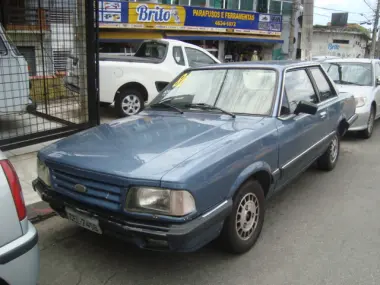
(139, 15)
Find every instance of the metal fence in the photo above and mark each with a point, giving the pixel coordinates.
(48, 70)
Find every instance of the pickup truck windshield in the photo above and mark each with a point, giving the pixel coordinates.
(349, 73)
(152, 50)
(244, 91)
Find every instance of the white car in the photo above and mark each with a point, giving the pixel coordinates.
(14, 79)
(132, 81)
(360, 77)
(19, 253)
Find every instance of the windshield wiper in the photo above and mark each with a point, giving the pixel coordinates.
(164, 103)
(347, 82)
(209, 107)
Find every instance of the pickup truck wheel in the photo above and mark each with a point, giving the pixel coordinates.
(367, 133)
(129, 102)
(242, 228)
(329, 159)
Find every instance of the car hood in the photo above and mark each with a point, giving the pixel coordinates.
(145, 146)
(357, 91)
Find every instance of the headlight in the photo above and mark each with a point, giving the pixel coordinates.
(360, 101)
(160, 201)
(43, 172)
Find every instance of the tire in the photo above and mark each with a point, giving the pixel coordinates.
(129, 102)
(329, 159)
(241, 240)
(367, 133)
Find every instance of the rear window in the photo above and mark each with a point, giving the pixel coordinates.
(152, 50)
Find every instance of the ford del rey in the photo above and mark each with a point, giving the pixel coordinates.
(202, 158)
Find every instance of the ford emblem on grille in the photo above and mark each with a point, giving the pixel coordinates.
(80, 188)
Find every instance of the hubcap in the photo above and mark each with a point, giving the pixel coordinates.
(334, 149)
(370, 122)
(247, 216)
(131, 104)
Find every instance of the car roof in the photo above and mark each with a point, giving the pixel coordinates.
(357, 60)
(274, 64)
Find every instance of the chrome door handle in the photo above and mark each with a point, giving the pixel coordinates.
(323, 114)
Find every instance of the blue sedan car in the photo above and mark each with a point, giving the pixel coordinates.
(200, 161)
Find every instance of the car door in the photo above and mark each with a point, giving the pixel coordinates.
(298, 134)
(377, 88)
(328, 106)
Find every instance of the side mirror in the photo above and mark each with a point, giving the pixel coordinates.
(377, 81)
(306, 107)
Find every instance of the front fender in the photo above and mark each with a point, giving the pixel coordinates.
(248, 172)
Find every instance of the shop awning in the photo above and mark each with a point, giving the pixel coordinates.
(225, 37)
(127, 36)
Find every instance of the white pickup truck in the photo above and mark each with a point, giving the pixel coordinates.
(132, 81)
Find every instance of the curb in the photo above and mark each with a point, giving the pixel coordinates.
(39, 211)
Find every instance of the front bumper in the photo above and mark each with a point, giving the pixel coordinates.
(185, 237)
(361, 122)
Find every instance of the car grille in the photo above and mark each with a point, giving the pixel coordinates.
(97, 193)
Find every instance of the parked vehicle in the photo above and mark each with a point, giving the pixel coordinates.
(361, 77)
(19, 253)
(14, 79)
(202, 158)
(130, 82)
(321, 58)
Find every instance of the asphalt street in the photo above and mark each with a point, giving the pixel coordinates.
(322, 229)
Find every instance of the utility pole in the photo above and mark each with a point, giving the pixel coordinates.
(307, 30)
(293, 21)
(373, 48)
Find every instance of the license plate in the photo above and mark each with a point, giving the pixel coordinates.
(83, 220)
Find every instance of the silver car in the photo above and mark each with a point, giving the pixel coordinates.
(19, 253)
(360, 77)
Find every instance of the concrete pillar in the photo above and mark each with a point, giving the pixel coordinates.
(221, 45)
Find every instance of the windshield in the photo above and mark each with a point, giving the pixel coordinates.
(152, 50)
(349, 73)
(246, 91)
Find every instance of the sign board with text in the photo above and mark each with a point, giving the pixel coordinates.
(185, 18)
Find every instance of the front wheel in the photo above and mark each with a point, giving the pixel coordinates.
(367, 133)
(329, 159)
(242, 228)
(129, 102)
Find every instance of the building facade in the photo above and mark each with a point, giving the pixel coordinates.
(341, 42)
(231, 29)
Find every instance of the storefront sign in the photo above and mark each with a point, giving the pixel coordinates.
(170, 17)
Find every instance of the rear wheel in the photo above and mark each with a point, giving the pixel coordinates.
(367, 133)
(129, 102)
(243, 227)
(329, 159)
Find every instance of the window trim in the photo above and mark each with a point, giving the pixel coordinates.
(311, 81)
(283, 72)
(188, 61)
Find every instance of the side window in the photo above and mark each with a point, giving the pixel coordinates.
(285, 108)
(377, 70)
(298, 87)
(3, 48)
(197, 58)
(325, 91)
(178, 56)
